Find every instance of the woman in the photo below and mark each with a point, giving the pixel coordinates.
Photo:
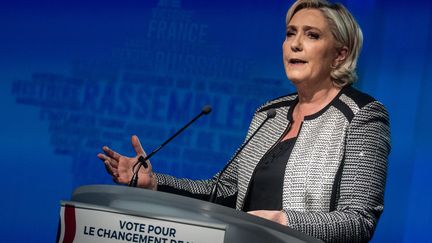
(320, 165)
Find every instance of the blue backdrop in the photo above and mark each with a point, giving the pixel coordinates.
(78, 75)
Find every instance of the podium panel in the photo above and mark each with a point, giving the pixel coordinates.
(104, 213)
(101, 224)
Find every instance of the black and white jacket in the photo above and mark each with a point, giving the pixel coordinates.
(334, 179)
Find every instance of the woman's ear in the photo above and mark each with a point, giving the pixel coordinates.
(341, 55)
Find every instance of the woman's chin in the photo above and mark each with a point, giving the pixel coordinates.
(295, 80)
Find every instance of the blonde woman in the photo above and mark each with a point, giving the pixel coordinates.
(320, 165)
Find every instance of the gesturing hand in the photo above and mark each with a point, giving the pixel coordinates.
(120, 166)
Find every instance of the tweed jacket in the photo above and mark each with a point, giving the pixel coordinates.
(334, 180)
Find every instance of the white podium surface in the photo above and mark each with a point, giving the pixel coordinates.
(103, 213)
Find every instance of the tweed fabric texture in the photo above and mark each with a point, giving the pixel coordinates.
(350, 136)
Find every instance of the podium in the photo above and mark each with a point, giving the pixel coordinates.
(105, 213)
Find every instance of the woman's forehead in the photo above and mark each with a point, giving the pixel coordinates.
(309, 17)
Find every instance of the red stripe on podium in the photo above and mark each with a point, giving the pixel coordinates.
(70, 224)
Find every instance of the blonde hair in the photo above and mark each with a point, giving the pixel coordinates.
(345, 31)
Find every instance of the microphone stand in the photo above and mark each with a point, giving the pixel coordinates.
(143, 161)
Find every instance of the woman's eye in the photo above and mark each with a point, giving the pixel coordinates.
(313, 35)
(290, 33)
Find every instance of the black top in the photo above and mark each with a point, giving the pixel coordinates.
(265, 188)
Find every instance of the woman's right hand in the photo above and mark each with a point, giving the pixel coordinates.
(120, 167)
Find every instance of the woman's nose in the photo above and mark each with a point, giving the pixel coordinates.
(296, 44)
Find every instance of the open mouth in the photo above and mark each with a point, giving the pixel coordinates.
(296, 61)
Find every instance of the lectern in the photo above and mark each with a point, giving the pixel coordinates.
(105, 213)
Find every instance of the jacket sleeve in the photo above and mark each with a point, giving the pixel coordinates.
(201, 189)
(360, 195)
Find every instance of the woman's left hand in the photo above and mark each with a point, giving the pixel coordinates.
(273, 215)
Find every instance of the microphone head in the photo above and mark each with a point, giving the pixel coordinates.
(271, 113)
(206, 109)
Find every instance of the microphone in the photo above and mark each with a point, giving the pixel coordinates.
(270, 114)
(142, 161)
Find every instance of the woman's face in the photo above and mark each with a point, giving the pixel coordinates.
(309, 48)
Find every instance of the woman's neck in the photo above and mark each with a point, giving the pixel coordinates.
(314, 98)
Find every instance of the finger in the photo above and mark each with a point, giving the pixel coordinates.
(111, 170)
(104, 158)
(255, 212)
(111, 153)
(108, 167)
(136, 144)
